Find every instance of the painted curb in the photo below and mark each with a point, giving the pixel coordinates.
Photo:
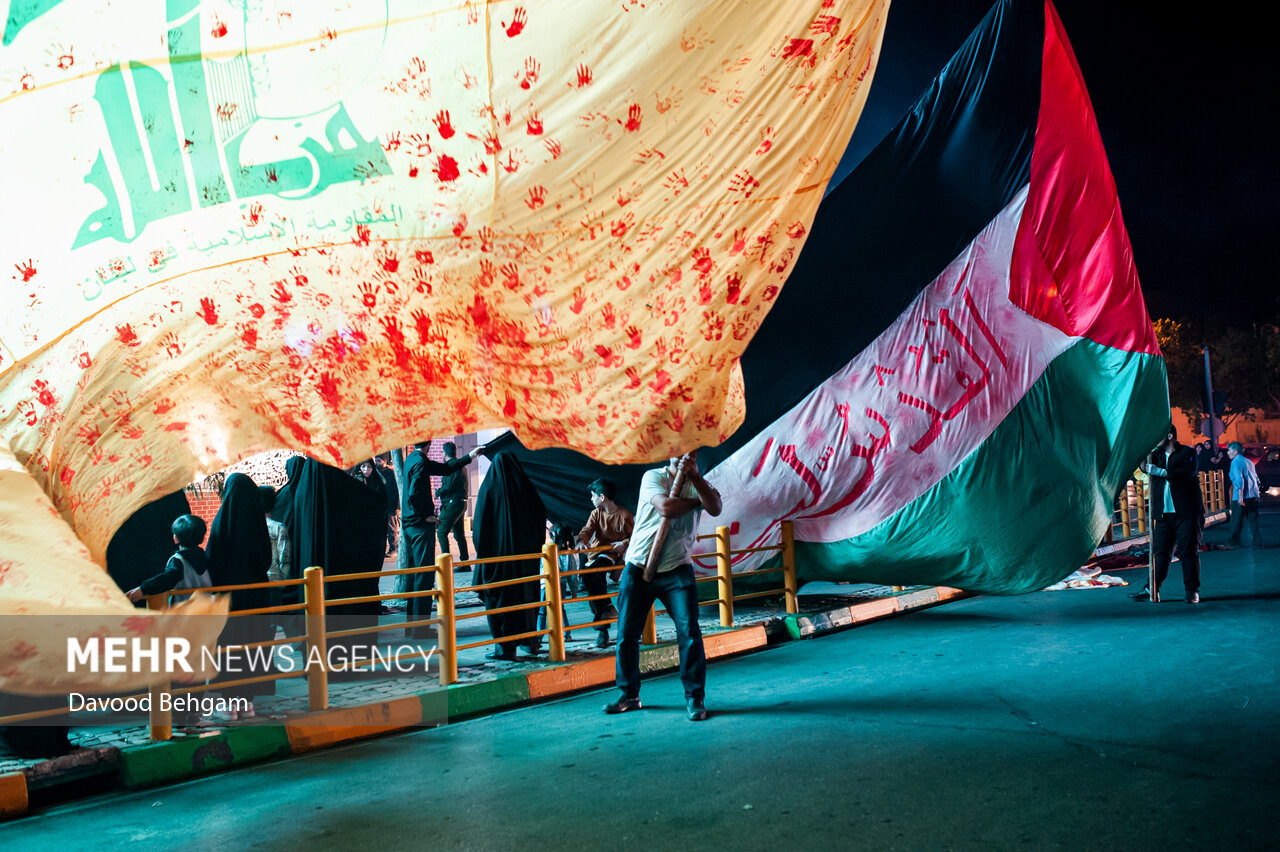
(731, 642)
(473, 699)
(817, 624)
(659, 658)
(175, 760)
(82, 763)
(601, 671)
(571, 678)
(13, 795)
(329, 727)
(159, 763)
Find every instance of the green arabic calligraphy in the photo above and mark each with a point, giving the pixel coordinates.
(153, 145)
(23, 12)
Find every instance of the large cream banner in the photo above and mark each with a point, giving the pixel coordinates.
(339, 227)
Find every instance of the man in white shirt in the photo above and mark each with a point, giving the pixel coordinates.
(673, 584)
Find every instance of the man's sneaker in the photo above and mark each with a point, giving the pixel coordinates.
(697, 712)
(623, 705)
(602, 638)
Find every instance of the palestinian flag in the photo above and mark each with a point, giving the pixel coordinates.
(977, 373)
(960, 372)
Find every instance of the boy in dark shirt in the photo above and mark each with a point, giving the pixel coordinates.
(186, 569)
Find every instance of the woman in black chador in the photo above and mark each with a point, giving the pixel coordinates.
(240, 552)
(283, 512)
(509, 519)
(337, 524)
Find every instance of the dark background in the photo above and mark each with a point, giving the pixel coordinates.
(1182, 103)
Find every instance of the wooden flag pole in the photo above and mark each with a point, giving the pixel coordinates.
(1151, 543)
(664, 527)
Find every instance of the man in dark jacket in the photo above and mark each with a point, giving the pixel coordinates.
(393, 503)
(1178, 512)
(453, 504)
(418, 521)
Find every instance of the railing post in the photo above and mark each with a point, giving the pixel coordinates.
(790, 587)
(317, 645)
(649, 636)
(447, 629)
(161, 714)
(1141, 488)
(724, 574)
(1126, 522)
(555, 615)
(1223, 498)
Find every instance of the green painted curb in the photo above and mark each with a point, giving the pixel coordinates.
(176, 760)
(435, 706)
(471, 699)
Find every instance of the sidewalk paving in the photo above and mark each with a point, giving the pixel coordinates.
(124, 755)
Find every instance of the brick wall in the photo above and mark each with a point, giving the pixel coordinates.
(205, 506)
(271, 472)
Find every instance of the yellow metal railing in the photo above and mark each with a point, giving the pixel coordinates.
(1130, 519)
(725, 577)
(315, 602)
(1131, 516)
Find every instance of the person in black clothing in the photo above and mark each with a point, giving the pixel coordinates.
(335, 523)
(375, 479)
(417, 522)
(367, 472)
(188, 568)
(393, 503)
(510, 520)
(1178, 512)
(240, 552)
(453, 505)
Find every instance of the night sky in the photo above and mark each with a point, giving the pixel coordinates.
(1182, 104)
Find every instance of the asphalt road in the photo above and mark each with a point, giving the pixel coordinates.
(1075, 719)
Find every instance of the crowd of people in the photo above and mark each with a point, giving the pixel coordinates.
(350, 521)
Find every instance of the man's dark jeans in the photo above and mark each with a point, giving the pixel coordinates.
(1178, 534)
(451, 514)
(596, 584)
(420, 544)
(679, 594)
(1240, 512)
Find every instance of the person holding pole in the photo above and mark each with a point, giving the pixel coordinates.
(1178, 512)
(658, 567)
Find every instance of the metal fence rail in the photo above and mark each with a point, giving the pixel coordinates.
(1130, 520)
(1131, 515)
(316, 602)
